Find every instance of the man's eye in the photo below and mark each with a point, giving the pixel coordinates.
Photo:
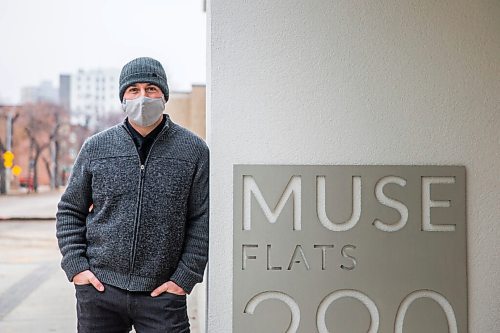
(152, 89)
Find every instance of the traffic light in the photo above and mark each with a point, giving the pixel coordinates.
(16, 170)
(8, 159)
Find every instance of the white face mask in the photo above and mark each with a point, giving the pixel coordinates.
(144, 111)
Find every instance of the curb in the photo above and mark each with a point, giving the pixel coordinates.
(26, 218)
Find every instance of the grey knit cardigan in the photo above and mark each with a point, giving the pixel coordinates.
(137, 226)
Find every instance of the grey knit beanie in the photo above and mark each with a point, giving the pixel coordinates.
(146, 70)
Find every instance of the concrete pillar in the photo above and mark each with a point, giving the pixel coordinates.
(357, 82)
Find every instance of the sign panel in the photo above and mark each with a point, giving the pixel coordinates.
(349, 249)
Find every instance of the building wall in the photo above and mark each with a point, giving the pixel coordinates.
(188, 109)
(178, 106)
(357, 82)
(198, 107)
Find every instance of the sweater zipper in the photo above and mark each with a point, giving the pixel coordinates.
(139, 204)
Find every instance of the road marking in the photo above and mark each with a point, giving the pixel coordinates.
(18, 292)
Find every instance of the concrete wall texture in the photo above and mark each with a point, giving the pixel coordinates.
(357, 82)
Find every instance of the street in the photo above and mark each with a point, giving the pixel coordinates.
(35, 295)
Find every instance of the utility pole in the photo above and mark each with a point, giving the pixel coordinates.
(8, 144)
(54, 148)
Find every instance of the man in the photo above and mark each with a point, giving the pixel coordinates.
(132, 225)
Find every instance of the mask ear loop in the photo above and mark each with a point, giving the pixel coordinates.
(164, 105)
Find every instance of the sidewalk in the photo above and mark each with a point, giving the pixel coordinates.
(33, 206)
(35, 295)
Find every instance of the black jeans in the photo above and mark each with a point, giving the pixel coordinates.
(115, 311)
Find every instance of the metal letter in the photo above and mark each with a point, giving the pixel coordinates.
(428, 203)
(293, 188)
(321, 205)
(440, 299)
(397, 205)
(325, 303)
(294, 308)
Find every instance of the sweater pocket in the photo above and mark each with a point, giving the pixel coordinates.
(115, 182)
(114, 176)
(108, 242)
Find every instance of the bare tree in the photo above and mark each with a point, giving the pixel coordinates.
(109, 119)
(36, 150)
(43, 130)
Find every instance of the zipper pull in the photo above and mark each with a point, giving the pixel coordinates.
(142, 170)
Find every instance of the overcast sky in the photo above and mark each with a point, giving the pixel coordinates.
(42, 38)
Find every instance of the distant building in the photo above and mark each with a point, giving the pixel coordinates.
(188, 109)
(64, 90)
(93, 95)
(44, 92)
